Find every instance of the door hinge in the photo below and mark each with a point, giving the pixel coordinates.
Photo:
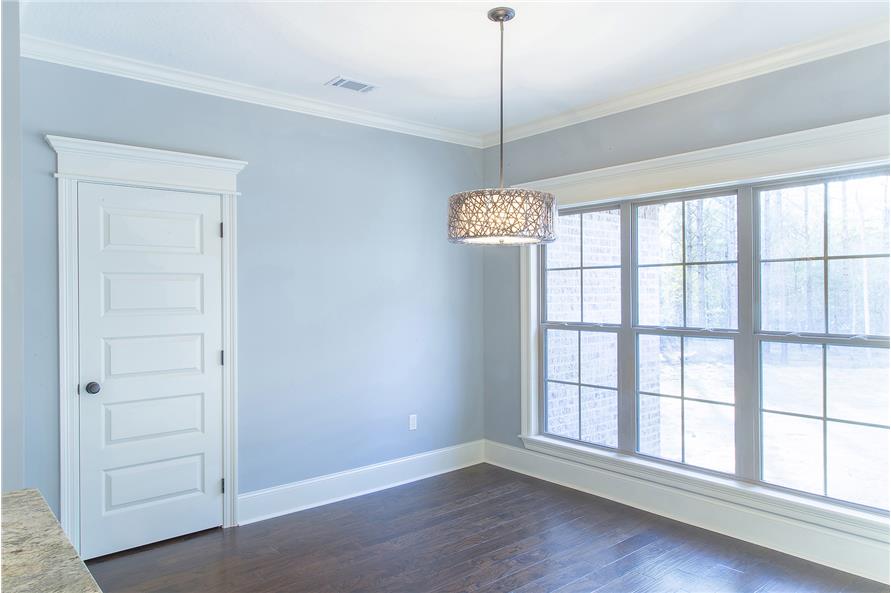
(221, 230)
(222, 357)
(223, 485)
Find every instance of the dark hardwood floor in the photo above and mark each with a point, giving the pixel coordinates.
(481, 529)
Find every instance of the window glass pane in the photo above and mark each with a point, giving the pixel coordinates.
(708, 369)
(599, 359)
(660, 299)
(858, 216)
(792, 377)
(603, 295)
(563, 410)
(712, 296)
(563, 355)
(708, 436)
(792, 296)
(792, 452)
(602, 241)
(659, 364)
(792, 222)
(711, 229)
(660, 233)
(857, 384)
(566, 251)
(659, 426)
(857, 464)
(564, 295)
(600, 414)
(858, 296)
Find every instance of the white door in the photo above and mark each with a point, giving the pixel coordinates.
(150, 325)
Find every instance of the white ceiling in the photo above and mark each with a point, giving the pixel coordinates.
(436, 64)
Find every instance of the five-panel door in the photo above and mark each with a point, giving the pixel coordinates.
(150, 327)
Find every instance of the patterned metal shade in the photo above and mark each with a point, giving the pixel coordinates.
(510, 216)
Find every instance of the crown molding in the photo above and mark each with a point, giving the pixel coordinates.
(78, 57)
(786, 57)
(862, 142)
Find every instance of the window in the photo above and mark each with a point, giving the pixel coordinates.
(743, 331)
(823, 296)
(686, 278)
(584, 309)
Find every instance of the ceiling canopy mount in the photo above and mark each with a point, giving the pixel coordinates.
(502, 14)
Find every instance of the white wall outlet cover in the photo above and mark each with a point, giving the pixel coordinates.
(413, 422)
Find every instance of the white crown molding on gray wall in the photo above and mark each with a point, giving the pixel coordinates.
(793, 55)
(785, 57)
(88, 59)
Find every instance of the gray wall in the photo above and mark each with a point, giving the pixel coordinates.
(841, 88)
(12, 412)
(354, 310)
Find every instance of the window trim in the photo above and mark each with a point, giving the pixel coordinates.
(747, 375)
(791, 504)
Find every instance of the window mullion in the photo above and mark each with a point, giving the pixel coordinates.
(627, 405)
(746, 382)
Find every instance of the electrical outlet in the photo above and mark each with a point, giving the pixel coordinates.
(413, 422)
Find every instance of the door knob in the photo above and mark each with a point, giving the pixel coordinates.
(93, 388)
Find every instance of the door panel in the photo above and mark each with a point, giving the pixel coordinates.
(153, 417)
(151, 230)
(153, 355)
(154, 481)
(150, 294)
(150, 325)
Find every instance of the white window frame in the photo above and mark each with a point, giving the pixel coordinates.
(858, 145)
(747, 338)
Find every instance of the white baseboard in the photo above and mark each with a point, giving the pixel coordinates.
(297, 496)
(856, 554)
(834, 543)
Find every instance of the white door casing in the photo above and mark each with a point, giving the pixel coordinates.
(146, 305)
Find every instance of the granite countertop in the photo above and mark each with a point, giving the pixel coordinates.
(37, 556)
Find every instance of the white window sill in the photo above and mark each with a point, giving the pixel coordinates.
(871, 525)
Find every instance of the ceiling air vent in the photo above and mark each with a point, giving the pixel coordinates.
(353, 85)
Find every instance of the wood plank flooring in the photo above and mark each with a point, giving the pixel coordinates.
(480, 529)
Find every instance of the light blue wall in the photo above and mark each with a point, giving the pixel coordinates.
(354, 310)
(13, 403)
(842, 88)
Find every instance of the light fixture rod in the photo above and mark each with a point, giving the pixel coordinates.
(501, 112)
(499, 15)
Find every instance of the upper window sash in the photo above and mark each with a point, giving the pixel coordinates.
(578, 269)
(695, 266)
(815, 260)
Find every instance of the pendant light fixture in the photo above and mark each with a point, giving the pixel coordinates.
(511, 216)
